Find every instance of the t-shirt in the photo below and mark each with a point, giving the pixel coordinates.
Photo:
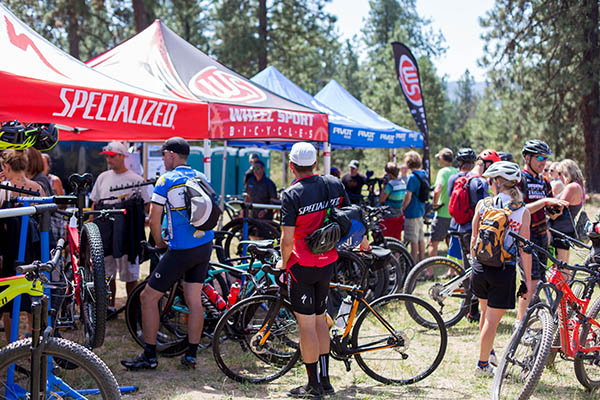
(353, 186)
(537, 188)
(478, 189)
(261, 191)
(442, 178)
(169, 192)
(304, 205)
(396, 190)
(109, 179)
(416, 208)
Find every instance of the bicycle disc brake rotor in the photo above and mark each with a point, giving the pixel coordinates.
(435, 293)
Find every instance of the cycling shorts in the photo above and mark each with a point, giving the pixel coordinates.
(308, 288)
(192, 264)
(538, 264)
(495, 284)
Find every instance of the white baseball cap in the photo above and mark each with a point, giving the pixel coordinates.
(114, 148)
(303, 154)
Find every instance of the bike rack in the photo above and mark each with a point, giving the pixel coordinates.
(247, 207)
(25, 212)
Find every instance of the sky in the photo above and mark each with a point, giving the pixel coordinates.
(457, 20)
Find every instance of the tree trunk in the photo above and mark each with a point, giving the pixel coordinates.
(73, 28)
(262, 34)
(141, 16)
(590, 101)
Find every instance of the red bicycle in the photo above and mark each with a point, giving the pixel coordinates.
(83, 309)
(526, 356)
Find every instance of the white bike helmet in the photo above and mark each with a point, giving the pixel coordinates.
(505, 169)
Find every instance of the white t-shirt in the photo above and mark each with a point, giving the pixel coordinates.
(108, 179)
(514, 221)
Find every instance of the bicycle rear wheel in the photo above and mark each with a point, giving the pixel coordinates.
(402, 255)
(588, 370)
(525, 357)
(86, 371)
(410, 352)
(433, 279)
(236, 346)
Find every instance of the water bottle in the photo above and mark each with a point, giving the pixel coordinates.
(73, 222)
(234, 292)
(213, 296)
(342, 317)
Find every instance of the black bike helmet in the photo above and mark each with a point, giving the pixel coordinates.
(536, 147)
(47, 135)
(12, 135)
(324, 239)
(504, 156)
(466, 155)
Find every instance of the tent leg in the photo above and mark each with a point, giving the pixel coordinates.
(327, 158)
(207, 153)
(284, 170)
(222, 199)
(394, 155)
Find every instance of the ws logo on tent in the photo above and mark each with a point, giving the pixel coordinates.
(214, 84)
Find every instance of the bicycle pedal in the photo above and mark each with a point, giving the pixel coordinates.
(347, 364)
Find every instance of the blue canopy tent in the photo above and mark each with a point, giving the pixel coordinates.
(344, 130)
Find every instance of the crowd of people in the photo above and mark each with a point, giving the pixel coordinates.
(467, 186)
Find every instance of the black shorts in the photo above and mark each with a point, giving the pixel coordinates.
(192, 264)
(308, 288)
(495, 284)
(538, 264)
(560, 243)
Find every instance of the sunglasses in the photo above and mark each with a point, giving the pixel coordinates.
(541, 158)
(546, 170)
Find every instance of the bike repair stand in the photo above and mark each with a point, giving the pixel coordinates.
(53, 380)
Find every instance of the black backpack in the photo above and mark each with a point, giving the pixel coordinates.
(424, 189)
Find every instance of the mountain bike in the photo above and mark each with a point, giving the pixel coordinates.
(256, 341)
(525, 357)
(172, 334)
(44, 366)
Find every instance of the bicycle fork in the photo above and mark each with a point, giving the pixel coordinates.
(39, 364)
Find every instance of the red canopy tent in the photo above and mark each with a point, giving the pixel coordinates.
(41, 83)
(159, 60)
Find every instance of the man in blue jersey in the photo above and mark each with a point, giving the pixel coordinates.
(188, 255)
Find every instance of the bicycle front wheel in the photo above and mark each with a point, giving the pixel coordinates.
(525, 357)
(403, 352)
(587, 369)
(442, 282)
(85, 371)
(93, 291)
(237, 347)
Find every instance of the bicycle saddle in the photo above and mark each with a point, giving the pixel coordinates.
(81, 181)
(380, 252)
(265, 243)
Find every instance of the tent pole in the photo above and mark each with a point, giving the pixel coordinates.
(394, 155)
(284, 170)
(222, 199)
(145, 159)
(327, 158)
(207, 153)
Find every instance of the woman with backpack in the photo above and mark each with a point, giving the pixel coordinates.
(494, 257)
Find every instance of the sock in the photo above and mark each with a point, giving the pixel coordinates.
(149, 350)
(191, 350)
(482, 364)
(313, 376)
(324, 367)
(492, 353)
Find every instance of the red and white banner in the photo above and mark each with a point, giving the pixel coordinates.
(41, 83)
(234, 122)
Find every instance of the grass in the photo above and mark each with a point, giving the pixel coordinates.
(453, 379)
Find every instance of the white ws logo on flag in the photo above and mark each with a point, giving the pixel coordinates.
(409, 79)
(214, 84)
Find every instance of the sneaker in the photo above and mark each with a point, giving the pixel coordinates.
(188, 362)
(487, 371)
(327, 388)
(425, 278)
(493, 360)
(306, 392)
(140, 362)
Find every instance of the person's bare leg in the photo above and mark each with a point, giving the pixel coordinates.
(129, 286)
(150, 315)
(414, 250)
(421, 250)
(524, 303)
(482, 310)
(488, 332)
(322, 333)
(433, 248)
(193, 298)
(309, 337)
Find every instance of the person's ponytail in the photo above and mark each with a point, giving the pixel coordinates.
(511, 188)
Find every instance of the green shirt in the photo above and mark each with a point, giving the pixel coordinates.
(442, 179)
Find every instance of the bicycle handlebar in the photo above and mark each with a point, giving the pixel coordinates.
(47, 266)
(560, 263)
(570, 239)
